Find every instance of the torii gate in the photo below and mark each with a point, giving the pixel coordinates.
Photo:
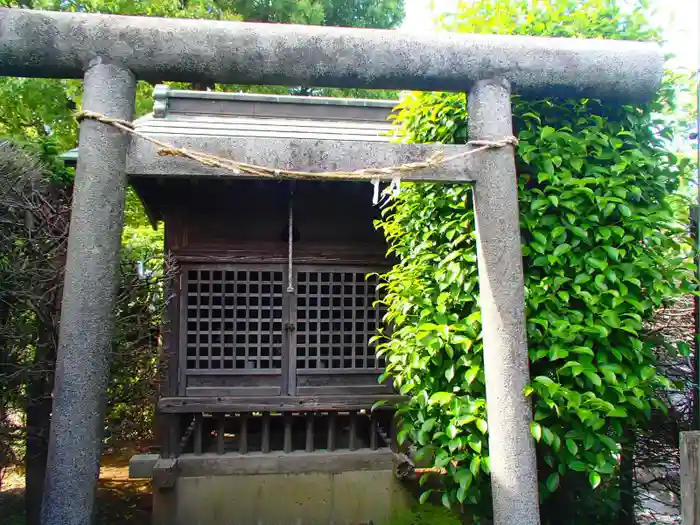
(111, 52)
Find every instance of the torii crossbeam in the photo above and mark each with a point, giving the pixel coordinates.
(111, 52)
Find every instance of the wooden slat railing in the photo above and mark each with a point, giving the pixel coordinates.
(286, 432)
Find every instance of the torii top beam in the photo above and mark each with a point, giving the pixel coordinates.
(62, 45)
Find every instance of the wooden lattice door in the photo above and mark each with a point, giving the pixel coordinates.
(334, 317)
(244, 333)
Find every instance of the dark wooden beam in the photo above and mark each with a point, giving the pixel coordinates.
(272, 404)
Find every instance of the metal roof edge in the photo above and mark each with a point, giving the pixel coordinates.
(161, 93)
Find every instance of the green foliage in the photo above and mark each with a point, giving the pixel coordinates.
(136, 349)
(36, 108)
(603, 245)
(381, 14)
(427, 514)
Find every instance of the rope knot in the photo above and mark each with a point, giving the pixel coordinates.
(124, 125)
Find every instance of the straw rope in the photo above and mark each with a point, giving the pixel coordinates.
(367, 174)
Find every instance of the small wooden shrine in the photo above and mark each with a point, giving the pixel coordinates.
(268, 327)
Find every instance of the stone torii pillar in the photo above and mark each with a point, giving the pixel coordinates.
(108, 49)
(87, 311)
(501, 284)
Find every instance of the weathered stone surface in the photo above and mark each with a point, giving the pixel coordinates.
(87, 312)
(144, 465)
(165, 473)
(690, 478)
(51, 44)
(500, 261)
(300, 154)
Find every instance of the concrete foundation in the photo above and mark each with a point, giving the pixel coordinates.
(345, 498)
(324, 488)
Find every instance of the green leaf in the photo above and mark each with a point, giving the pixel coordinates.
(606, 468)
(552, 482)
(486, 464)
(562, 249)
(461, 494)
(577, 466)
(579, 232)
(593, 378)
(573, 448)
(471, 374)
(594, 479)
(611, 318)
(475, 465)
(425, 495)
(440, 398)
(617, 412)
(597, 263)
(428, 425)
(683, 349)
(536, 430)
(481, 425)
(547, 435)
(450, 373)
(545, 381)
(538, 204)
(612, 252)
(647, 373)
(548, 166)
(546, 132)
(609, 442)
(464, 478)
(582, 278)
(474, 442)
(446, 500)
(451, 431)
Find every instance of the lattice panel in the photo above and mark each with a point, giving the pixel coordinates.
(234, 319)
(336, 318)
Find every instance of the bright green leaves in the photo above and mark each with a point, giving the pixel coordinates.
(602, 250)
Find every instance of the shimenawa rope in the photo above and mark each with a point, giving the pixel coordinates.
(368, 174)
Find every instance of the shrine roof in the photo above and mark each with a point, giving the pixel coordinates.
(182, 113)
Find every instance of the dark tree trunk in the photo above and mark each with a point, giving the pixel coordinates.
(5, 388)
(4, 352)
(39, 400)
(627, 502)
(38, 425)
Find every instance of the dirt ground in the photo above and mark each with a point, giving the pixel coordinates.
(120, 501)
